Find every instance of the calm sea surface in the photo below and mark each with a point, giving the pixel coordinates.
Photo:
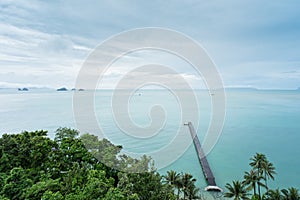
(256, 121)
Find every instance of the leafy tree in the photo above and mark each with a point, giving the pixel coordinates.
(49, 195)
(3, 198)
(117, 194)
(147, 185)
(10, 154)
(5, 164)
(237, 191)
(104, 153)
(3, 177)
(26, 150)
(62, 158)
(15, 184)
(35, 167)
(64, 132)
(97, 184)
(36, 191)
(75, 179)
(91, 142)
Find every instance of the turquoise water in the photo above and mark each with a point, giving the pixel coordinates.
(256, 121)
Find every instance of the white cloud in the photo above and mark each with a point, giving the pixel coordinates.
(30, 52)
(245, 39)
(18, 85)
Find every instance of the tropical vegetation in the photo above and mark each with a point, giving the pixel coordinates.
(73, 167)
(256, 180)
(82, 167)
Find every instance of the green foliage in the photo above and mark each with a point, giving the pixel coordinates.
(63, 132)
(290, 194)
(36, 191)
(26, 150)
(49, 195)
(262, 171)
(16, 184)
(34, 167)
(237, 191)
(182, 183)
(147, 185)
(273, 194)
(3, 177)
(3, 198)
(117, 194)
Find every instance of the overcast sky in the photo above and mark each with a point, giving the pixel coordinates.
(253, 43)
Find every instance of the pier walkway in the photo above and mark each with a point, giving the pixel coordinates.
(208, 174)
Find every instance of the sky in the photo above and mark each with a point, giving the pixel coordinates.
(252, 43)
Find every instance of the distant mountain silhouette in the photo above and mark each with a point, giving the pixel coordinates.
(23, 89)
(74, 89)
(62, 89)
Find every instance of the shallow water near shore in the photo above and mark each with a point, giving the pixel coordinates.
(256, 121)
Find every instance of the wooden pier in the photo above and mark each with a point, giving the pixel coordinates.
(208, 174)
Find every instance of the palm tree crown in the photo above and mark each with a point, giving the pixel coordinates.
(268, 171)
(187, 182)
(237, 191)
(291, 194)
(172, 177)
(251, 179)
(257, 162)
(273, 195)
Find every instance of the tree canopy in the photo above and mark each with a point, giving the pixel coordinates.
(73, 167)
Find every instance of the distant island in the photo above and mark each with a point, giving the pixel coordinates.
(62, 89)
(74, 89)
(23, 89)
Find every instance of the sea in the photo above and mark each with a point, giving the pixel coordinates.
(264, 121)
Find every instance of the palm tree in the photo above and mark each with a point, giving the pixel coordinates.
(237, 191)
(257, 163)
(251, 179)
(193, 192)
(179, 186)
(291, 194)
(173, 178)
(187, 181)
(274, 195)
(268, 171)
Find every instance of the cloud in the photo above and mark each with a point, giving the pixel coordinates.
(26, 51)
(14, 85)
(245, 39)
(264, 74)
